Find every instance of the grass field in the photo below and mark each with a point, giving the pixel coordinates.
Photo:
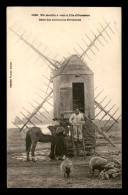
(46, 174)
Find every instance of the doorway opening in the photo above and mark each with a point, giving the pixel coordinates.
(78, 96)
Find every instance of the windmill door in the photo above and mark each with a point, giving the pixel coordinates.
(78, 96)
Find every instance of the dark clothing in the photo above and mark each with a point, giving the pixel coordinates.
(58, 146)
(53, 145)
(53, 140)
(65, 124)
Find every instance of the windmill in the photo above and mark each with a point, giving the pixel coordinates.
(65, 102)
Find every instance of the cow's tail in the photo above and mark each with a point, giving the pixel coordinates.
(28, 141)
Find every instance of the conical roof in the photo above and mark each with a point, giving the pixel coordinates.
(73, 65)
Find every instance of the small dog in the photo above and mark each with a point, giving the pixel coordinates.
(66, 167)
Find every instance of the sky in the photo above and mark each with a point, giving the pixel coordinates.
(59, 39)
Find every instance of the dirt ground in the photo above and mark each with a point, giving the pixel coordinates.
(47, 174)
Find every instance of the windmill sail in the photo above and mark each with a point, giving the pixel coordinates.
(36, 110)
(35, 49)
(96, 38)
(106, 112)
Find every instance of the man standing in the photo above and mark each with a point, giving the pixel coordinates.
(59, 132)
(77, 120)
